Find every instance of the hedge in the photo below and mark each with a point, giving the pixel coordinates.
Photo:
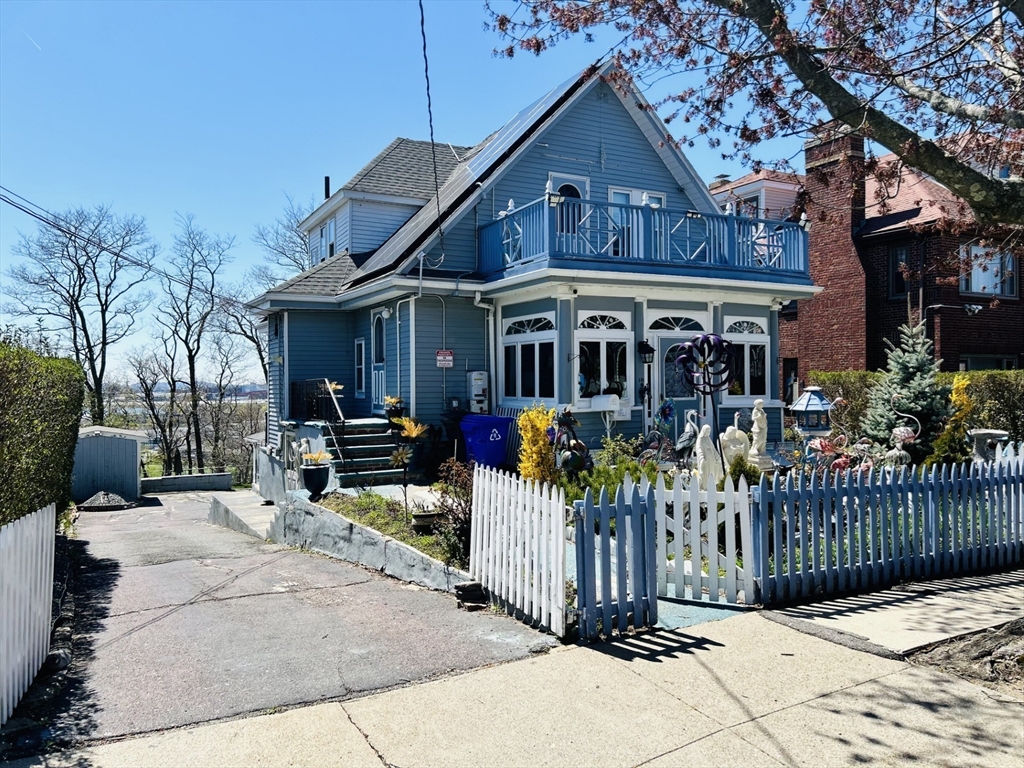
(40, 410)
(998, 397)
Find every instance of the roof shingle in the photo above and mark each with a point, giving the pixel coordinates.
(404, 167)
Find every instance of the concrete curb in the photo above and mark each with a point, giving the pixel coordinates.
(845, 639)
(299, 523)
(221, 514)
(219, 481)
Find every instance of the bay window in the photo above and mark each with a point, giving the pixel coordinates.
(604, 357)
(528, 359)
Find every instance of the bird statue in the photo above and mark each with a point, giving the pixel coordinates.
(576, 458)
(709, 465)
(901, 436)
(686, 442)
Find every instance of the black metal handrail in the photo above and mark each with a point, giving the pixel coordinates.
(315, 400)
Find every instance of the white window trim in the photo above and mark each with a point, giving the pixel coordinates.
(636, 195)
(518, 340)
(625, 317)
(580, 181)
(970, 252)
(590, 334)
(360, 394)
(750, 338)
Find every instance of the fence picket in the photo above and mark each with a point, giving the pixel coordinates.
(775, 515)
(678, 541)
(815, 526)
(696, 567)
(606, 563)
(651, 587)
(620, 554)
(660, 548)
(733, 501)
(713, 536)
(746, 541)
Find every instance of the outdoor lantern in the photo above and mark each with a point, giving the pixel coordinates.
(811, 412)
(646, 352)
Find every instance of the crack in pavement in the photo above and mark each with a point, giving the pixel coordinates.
(366, 738)
(194, 601)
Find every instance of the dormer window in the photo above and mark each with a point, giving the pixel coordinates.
(327, 239)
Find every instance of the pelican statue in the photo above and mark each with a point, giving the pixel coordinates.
(687, 440)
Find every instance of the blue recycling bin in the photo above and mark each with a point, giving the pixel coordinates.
(486, 438)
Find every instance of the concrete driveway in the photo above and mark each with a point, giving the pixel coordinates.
(183, 622)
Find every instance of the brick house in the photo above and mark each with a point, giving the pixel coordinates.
(857, 249)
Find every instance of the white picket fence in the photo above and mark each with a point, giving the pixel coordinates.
(706, 563)
(26, 593)
(517, 545)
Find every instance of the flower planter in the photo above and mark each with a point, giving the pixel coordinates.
(315, 478)
(424, 522)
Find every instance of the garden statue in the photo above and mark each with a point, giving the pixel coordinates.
(735, 445)
(708, 364)
(759, 433)
(688, 440)
(709, 464)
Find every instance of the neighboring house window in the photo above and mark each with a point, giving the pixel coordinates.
(529, 358)
(749, 206)
(327, 240)
(603, 356)
(751, 344)
(898, 256)
(360, 368)
(988, 271)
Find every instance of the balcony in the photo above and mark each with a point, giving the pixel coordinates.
(587, 234)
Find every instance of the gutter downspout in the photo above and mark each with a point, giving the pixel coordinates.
(490, 343)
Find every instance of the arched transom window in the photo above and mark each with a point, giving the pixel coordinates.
(529, 325)
(745, 326)
(528, 359)
(603, 323)
(676, 324)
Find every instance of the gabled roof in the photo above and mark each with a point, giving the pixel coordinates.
(326, 278)
(914, 199)
(765, 174)
(405, 167)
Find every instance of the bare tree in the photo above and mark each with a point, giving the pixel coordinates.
(285, 246)
(234, 318)
(151, 370)
(84, 279)
(221, 402)
(939, 83)
(190, 282)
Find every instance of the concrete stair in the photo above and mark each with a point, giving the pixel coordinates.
(361, 453)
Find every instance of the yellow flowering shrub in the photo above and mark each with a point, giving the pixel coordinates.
(536, 454)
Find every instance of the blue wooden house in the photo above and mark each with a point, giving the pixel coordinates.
(556, 246)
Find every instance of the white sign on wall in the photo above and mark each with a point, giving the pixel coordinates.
(445, 358)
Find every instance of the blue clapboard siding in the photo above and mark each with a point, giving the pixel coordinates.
(343, 229)
(598, 139)
(320, 347)
(527, 308)
(373, 223)
(591, 428)
(466, 334)
(459, 248)
(275, 376)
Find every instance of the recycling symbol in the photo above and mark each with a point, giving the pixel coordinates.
(495, 435)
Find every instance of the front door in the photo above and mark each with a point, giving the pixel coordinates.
(379, 379)
(670, 383)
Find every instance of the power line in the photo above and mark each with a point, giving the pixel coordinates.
(53, 221)
(430, 119)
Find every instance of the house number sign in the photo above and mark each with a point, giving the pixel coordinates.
(445, 358)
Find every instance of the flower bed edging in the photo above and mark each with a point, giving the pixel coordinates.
(300, 523)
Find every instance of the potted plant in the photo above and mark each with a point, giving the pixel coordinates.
(423, 519)
(316, 472)
(393, 408)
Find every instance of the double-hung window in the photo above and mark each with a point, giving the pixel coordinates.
(898, 256)
(988, 271)
(327, 239)
(528, 359)
(751, 344)
(604, 356)
(360, 367)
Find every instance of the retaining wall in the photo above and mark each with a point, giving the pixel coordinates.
(220, 481)
(302, 524)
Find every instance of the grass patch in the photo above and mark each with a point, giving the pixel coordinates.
(385, 516)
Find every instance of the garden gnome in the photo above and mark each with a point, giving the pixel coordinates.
(709, 465)
(759, 431)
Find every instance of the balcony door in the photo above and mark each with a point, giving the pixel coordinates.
(572, 222)
(625, 223)
(379, 378)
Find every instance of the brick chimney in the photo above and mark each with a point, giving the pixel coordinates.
(829, 332)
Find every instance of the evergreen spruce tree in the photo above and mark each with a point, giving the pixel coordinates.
(910, 378)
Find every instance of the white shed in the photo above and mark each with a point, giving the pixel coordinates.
(107, 459)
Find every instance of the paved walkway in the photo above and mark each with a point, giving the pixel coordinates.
(741, 691)
(183, 622)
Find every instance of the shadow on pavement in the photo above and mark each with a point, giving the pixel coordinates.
(48, 724)
(654, 646)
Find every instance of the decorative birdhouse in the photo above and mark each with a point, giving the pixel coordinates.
(811, 412)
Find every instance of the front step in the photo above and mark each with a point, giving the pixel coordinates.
(390, 476)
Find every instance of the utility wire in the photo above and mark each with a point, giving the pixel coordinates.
(430, 118)
(53, 221)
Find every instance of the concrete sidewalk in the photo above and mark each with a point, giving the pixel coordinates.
(742, 691)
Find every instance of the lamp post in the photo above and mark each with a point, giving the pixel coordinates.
(646, 352)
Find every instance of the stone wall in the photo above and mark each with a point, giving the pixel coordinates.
(217, 481)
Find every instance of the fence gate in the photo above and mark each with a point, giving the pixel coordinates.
(616, 572)
(517, 545)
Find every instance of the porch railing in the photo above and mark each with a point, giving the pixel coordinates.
(314, 400)
(593, 230)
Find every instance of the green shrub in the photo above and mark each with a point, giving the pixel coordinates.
(607, 476)
(740, 467)
(853, 387)
(40, 410)
(998, 398)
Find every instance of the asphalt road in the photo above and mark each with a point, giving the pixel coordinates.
(183, 622)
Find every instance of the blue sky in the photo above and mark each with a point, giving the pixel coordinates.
(219, 108)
